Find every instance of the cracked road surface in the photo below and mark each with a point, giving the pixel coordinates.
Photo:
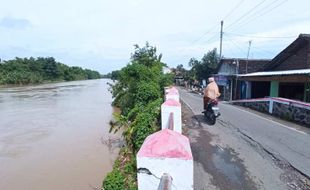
(245, 149)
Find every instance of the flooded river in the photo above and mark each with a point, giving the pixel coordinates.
(51, 136)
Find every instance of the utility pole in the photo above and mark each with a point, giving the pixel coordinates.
(221, 39)
(247, 58)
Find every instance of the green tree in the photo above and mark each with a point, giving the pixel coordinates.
(206, 67)
(138, 85)
(32, 70)
(138, 92)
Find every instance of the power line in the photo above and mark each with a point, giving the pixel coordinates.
(212, 38)
(253, 14)
(233, 9)
(230, 48)
(215, 26)
(227, 15)
(236, 45)
(263, 13)
(248, 12)
(263, 51)
(204, 34)
(254, 36)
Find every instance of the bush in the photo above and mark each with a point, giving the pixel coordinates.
(147, 92)
(138, 93)
(114, 181)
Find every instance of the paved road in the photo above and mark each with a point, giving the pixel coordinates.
(272, 154)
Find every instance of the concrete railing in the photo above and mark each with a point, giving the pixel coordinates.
(284, 108)
(165, 160)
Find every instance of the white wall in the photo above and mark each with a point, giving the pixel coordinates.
(181, 172)
(177, 116)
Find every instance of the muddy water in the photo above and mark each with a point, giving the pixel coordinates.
(51, 136)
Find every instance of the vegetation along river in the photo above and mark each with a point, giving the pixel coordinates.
(52, 136)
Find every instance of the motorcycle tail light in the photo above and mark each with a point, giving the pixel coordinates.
(214, 102)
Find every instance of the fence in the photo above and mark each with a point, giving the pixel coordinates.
(165, 160)
(284, 108)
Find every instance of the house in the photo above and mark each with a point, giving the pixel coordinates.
(287, 75)
(230, 68)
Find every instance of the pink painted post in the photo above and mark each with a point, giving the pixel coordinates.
(167, 152)
(172, 89)
(174, 95)
(174, 107)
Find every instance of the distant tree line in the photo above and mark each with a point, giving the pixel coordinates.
(112, 75)
(37, 70)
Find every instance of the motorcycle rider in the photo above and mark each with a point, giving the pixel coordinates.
(211, 92)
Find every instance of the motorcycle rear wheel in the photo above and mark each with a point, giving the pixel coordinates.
(212, 119)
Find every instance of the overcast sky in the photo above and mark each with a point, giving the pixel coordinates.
(100, 34)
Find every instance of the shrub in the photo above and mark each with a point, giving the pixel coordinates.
(114, 180)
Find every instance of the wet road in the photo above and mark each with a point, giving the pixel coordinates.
(51, 136)
(246, 150)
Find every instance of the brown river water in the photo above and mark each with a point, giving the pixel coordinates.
(51, 136)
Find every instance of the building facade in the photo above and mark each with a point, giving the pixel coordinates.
(286, 76)
(227, 78)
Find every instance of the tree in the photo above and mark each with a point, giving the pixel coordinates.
(206, 67)
(37, 70)
(138, 92)
(138, 86)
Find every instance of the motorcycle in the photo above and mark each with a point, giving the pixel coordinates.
(212, 111)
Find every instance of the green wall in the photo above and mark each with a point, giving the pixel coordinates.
(274, 89)
(307, 92)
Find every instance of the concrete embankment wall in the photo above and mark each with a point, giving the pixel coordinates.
(291, 110)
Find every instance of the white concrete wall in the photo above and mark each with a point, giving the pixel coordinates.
(166, 109)
(181, 172)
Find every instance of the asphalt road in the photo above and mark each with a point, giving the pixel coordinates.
(263, 152)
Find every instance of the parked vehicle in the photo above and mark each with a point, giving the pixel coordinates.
(212, 111)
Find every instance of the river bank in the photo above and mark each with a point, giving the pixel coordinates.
(52, 136)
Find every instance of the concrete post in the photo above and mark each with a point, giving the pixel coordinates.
(173, 95)
(270, 105)
(172, 89)
(167, 152)
(174, 107)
